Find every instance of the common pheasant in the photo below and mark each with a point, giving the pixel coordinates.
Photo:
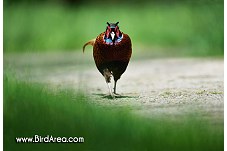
(112, 51)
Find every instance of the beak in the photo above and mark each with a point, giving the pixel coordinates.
(112, 35)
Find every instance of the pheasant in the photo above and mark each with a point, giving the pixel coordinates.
(112, 51)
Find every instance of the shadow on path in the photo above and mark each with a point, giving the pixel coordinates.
(107, 96)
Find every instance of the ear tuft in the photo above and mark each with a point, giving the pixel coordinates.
(117, 23)
(108, 23)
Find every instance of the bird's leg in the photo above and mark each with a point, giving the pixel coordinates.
(115, 84)
(110, 90)
(107, 76)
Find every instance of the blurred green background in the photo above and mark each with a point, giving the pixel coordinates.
(181, 27)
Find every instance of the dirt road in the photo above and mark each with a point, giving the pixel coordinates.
(150, 87)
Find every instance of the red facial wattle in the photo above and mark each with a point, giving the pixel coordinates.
(117, 31)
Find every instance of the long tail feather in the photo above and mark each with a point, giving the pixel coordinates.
(91, 42)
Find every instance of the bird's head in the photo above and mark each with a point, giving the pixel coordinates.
(112, 32)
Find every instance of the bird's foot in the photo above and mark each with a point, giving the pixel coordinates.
(112, 95)
(116, 95)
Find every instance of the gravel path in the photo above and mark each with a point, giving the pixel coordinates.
(150, 87)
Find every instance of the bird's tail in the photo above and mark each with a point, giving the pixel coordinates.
(91, 42)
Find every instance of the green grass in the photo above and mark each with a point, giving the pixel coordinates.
(179, 28)
(31, 109)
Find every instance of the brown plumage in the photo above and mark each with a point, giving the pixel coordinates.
(112, 52)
